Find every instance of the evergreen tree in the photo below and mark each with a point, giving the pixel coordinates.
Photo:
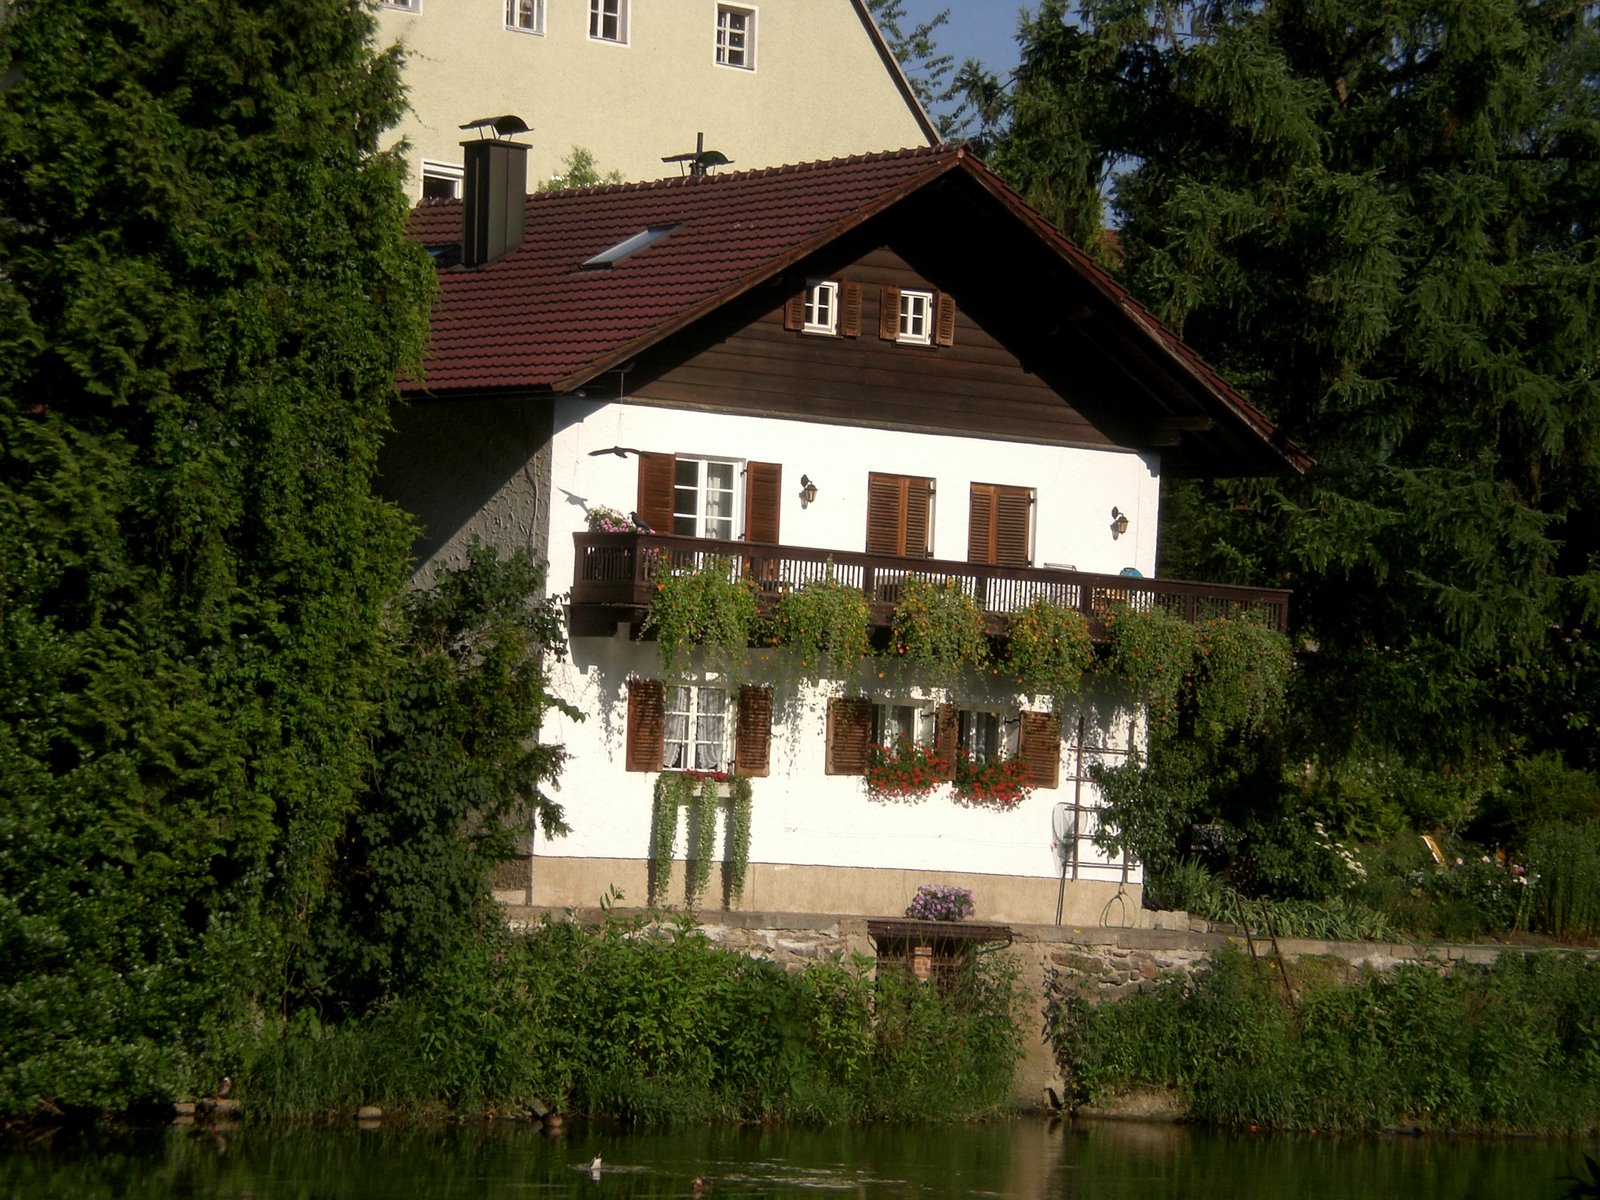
(205, 297)
(1377, 218)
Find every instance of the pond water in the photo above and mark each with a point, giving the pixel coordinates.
(1024, 1158)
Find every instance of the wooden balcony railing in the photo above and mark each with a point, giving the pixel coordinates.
(615, 574)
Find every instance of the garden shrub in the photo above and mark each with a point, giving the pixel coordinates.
(1564, 864)
(1513, 1047)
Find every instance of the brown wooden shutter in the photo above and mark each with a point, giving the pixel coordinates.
(752, 751)
(946, 734)
(1039, 748)
(885, 527)
(655, 490)
(647, 724)
(1013, 526)
(849, 309)
(763, 491)
(899, 508)
(889, 314)
(1000, 525)
(794, 312)
(919, 513)
(944, 324)
(980, 524)
(849, 732)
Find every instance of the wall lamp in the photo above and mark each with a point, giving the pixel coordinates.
(1119, 523)
(808, 491)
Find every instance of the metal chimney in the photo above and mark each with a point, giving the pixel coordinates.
(495, 192)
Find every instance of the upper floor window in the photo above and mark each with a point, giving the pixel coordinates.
(407, 5)
(831, 306)
(899, 515)
(1000, 525)
(526, 15)
(916, 314)
(441, 181)
(608, 20)
(822, 307)
(704, 491)
(699, 496)
(736, 37)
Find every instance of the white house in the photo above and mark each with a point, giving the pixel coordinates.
(877, 366)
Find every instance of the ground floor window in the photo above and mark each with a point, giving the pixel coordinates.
(696, 736)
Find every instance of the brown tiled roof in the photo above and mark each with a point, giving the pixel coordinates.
(536, 319)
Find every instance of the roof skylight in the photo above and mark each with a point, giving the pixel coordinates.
(631, 245)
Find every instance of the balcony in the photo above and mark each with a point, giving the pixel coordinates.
(615, 574)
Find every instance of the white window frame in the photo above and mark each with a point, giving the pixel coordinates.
(892, 721)
(822, 307)
(987, 735)
(741, 56)
(614, 11)
(916, 318)
(700, 517)
(410, 6)
(700, 715)
(442, 172)
(532, 9)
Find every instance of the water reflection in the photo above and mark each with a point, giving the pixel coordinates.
(1025, 1159)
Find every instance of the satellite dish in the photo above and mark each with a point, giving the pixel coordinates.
(1064, 824)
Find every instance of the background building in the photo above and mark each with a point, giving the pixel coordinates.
(632, 81)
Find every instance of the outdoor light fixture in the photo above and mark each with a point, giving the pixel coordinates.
(1119, 523)
(808, 491)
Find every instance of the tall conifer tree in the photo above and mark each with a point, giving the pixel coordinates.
(205, 297)
(1378, 218)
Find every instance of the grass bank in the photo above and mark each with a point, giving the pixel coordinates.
(1510, 1048)
(655, 1024)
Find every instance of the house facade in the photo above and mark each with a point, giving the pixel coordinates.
(870, 370)
(633, 81)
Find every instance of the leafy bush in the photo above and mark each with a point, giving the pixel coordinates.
(826, 624)
(1566, 893)
(939, 628)
(1241, 676)
(1512, 1047)
(1048, 649)
(712, 606)
(653, 1024)
(1151, 651)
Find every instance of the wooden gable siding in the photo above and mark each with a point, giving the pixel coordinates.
(744, 360)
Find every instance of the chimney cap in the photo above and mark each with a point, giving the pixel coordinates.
(505, 125)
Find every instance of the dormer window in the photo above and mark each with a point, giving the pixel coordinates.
(822, 308)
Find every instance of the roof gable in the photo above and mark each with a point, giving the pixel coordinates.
(538, 319)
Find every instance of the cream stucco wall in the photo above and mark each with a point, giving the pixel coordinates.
(819, 88)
